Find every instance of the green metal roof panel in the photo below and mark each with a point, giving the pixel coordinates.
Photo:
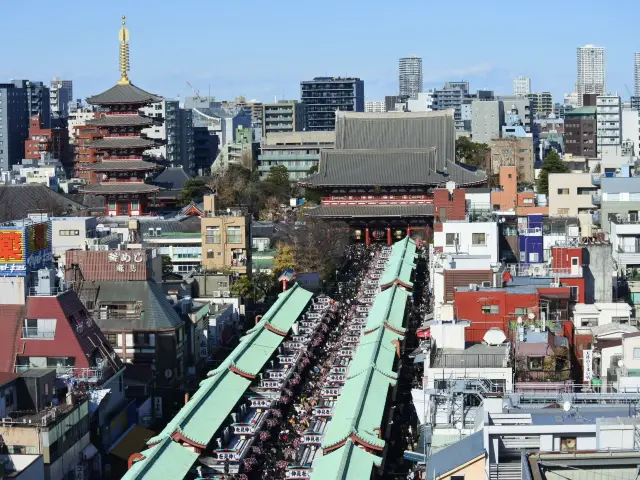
(346, 463)
(288, 313)
(375, 350)
(359, 409)
(262, 347)
(397, 268)
(166, 460)
(388, 307)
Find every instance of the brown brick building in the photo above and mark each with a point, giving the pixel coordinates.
(580, 132)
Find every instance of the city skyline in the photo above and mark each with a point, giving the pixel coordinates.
(87, 51)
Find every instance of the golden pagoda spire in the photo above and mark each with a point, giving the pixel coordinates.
(123, 35)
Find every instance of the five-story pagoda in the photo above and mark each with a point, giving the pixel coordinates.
(121, 166)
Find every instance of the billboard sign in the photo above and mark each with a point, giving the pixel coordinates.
(25, 249)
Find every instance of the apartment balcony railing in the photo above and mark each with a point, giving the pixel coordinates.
(622, 219)
(542, 270)
(530, 232)
(596, 199)
(596, 180)
(628, 248)
(36, 333)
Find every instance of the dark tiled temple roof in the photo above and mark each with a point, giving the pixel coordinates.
(354, 211)
(396, 167)
(118, 187)
(122, 142)
(395, 130)
(120, 121)
(115, 165)
(123, 94)
(172, 178)
(17, 201)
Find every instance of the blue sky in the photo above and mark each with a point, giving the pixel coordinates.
(263, 49)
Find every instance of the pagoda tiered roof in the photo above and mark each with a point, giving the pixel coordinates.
(122, 142)
(121, 165)
(128, 120)
(124, 94)
(108, 188)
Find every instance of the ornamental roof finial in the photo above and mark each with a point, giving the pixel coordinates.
(123, 35)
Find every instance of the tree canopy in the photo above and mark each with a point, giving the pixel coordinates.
(278, 182)
(471, 153)
(552, 163)
(284, 259)
(242, 287)
(193, 190)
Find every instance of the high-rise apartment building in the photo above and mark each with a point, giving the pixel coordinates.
(608, 121)
(636, 74)
(410, 76)
(521, 86)
(324, 96)
(450, 97)
(580, 132)
(14, 124)
(591, 71)
(60, 96)
(541, 103)
(283, 116)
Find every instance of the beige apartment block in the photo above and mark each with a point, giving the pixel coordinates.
(513, 152)
(226, 236)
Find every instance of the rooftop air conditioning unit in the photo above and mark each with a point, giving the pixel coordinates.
(216, 294)
(226, 294)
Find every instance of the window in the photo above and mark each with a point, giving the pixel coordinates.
(456, 477)
(135, 205)
(142, 338)
(112, 338)
(112, 206)
(69, 233)
(213, 235)
(491, 309)
(574, 292)
(209, 253)
(521, 311)
(563, 211)
(636, 353)
(523, 256)
(452, 239)
(234, 235)
(40, 328)
(478, 238)
(535, 363)
(589, 322)
(563, 191)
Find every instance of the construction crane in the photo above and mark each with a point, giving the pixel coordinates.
(194, 90)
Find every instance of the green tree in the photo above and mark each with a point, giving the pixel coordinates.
(167, 266)
(284, 259)
(471, 153)
(242, 287)
(552, 164)
(192, 191)
(278, 178)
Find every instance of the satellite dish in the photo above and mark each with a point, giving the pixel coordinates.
(566, 406)
(520, 320)
(620, 363)
(531, 316)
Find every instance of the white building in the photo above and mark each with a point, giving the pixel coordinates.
(586, 315)
(636, 74)
(422, 103)
(68, 233)
(166, 132)
(77, 118)
(521, 86)
(608, 121)
(462, 253)
(591, 71)
(625, 241)
(374, 106)
(631, 129)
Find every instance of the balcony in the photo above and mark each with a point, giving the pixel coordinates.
(35, 333)
(543, 270)
(596, 180)
(596, 199)
(625, 219)
(530, 232)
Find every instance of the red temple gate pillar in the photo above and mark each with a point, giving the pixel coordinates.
(389, 236)
(409, 232)
(367, 240)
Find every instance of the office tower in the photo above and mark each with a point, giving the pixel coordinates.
(580, 132)
(37, 100)
(410, 76)
(324, 96)
(591, 71)
(60, 95)
(636, 74)
(522, 86)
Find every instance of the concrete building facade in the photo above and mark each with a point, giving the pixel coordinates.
(521, 86)
(60, 96)
(513, 152)
(488, 118)
(631, 129)
(14, 124)
(580, 129)
(374, 106)
(283, 116)
(323, 96)
(609, 121)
